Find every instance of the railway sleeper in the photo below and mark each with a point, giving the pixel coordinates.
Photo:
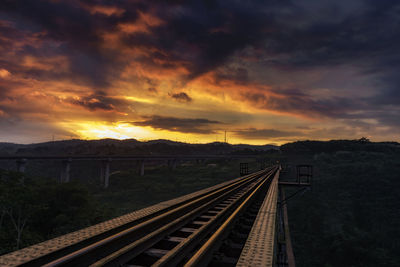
(229, 251)
(230, 248)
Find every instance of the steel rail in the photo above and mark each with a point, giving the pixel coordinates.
(203, 255)
(129, 252)
(108, 245)
(173, 257)
(86, 242)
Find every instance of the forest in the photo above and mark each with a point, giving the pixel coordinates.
(35, 208)
(349, 216)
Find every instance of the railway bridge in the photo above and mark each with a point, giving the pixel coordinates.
(241, 222)
(106, 161)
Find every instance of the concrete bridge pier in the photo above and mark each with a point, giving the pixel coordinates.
(172, 164)
(141, 167)
(105, 172)
(262, 164)
(65, 169)
(21, 165)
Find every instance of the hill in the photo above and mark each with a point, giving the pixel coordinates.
(126, 147)
(363, 144)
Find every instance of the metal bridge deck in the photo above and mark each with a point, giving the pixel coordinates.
(260, 244)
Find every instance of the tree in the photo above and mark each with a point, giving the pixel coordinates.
(17, 202)
(364, 140)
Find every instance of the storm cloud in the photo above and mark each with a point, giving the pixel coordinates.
(182, 97)
(183, 125)
(336, 62)
(96, 102)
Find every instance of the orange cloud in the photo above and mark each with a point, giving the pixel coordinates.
(104, 10)
(143, 24)
(99, 65)
(57, 63)
(4, 73)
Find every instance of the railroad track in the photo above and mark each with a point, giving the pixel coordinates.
(191, 233)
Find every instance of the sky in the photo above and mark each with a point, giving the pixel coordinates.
(263, 71)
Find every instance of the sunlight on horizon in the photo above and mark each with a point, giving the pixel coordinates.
(97, 130)
(123, 130)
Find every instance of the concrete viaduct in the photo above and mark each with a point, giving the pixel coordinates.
(172, 161)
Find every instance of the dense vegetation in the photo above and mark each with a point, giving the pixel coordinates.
(36, 209)
(351, 216)
(127, 147)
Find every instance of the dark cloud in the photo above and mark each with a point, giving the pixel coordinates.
(380, 118)
(237, 75)
(367, 39)
(363, 36)
(9, 35)
(182, 97)
(97, 102)
(259, 134)
(302, 104)
(27, 131)
(79, 32)
(201, 36)
(152, 90)
(204, 36)
(183, 125)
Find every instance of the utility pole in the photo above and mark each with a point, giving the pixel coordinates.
(225, 136)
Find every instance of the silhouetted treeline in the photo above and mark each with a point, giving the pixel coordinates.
(363, 144)
(126, 147)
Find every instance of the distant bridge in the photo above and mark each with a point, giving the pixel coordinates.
(172, 161)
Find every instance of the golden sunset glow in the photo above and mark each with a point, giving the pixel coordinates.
(137, 99)
(99, 130)
(148, 70)
(111, 106)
